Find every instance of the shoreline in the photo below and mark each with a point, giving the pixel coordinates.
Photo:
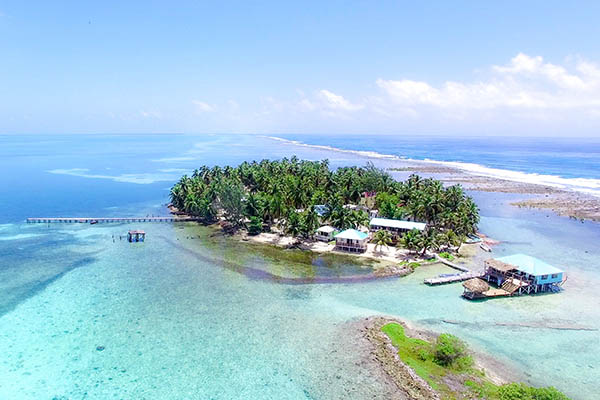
(562, 201)
(383, 356)
(391, 255)
(393, 261)
(555, 194)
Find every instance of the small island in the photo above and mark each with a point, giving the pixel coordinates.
(304, 204)
(428, 366)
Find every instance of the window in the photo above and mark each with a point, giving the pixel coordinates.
(544, 277)
(554, 275)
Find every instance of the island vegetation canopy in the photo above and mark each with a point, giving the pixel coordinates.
(298, 196)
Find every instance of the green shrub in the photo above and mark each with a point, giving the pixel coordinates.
(451, 351)
(483, 389)
(413, 265)
(547, 393)
(463, 363)
(515, 391)
(447, 255)
(423, 354)
(255, 226)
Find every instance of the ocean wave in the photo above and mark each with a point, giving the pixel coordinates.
(583, 185)
(4, 227)
(141, 179)
(20, 236)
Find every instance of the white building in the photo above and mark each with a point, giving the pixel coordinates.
(352, 240)
(394, 226)
(325, 233)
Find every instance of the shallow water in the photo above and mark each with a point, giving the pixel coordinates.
(187, 315)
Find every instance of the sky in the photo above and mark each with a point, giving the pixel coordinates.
(325, 67)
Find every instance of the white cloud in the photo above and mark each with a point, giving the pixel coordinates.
(534, 66)
(525, 94)
(151, 114)
(203, 107)
(336, 102)
(307, 105)
(526, 82)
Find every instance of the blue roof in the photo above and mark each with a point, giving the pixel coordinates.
(530, 265)
(321, 209)
(352, 234)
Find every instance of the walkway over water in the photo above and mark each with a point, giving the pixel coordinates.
(451, 264)
(442, 279)
(86, 220)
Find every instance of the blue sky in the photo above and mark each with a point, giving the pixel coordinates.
(398, 67)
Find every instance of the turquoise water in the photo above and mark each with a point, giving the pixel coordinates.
(186, 315)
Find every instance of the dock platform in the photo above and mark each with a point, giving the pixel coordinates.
(451, 264)
(89, 220)
(440, 280)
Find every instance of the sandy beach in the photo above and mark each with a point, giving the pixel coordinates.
(386, 253)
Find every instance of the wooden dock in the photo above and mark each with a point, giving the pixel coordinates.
(86, 220)
(440, 280)
(451, 264)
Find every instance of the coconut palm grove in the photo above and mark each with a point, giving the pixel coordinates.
(298, 196)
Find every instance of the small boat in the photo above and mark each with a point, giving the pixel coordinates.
(485, 247)
(473, 239)
(93, 222)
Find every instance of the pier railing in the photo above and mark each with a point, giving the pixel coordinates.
(88, 220)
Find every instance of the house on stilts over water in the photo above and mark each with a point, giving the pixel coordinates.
(514, 275)
(136, 236)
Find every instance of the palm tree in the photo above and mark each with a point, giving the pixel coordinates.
(410, 240)
(429, 240)
(293, 224)
(341, 218)
(359, 218)
(451, 239)
(382, 238)
(252, 206)
(266, 189)
(310, 221)
(276, 206)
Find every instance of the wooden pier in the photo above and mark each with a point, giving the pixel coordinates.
(86, 220)
(440, 280)
(451, 264)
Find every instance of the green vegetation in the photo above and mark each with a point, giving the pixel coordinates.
(412, 265)
(513, 391)
(446, 255)
(447, 360)
(285, 193)
(254, 226)
(382, 239)
(450, 351)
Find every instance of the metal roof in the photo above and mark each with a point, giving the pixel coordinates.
(530, 265)
(351, 234)
(326, 228)
(395, 223)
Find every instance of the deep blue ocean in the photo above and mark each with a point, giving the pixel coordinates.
(63, 174)
(564, 157)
